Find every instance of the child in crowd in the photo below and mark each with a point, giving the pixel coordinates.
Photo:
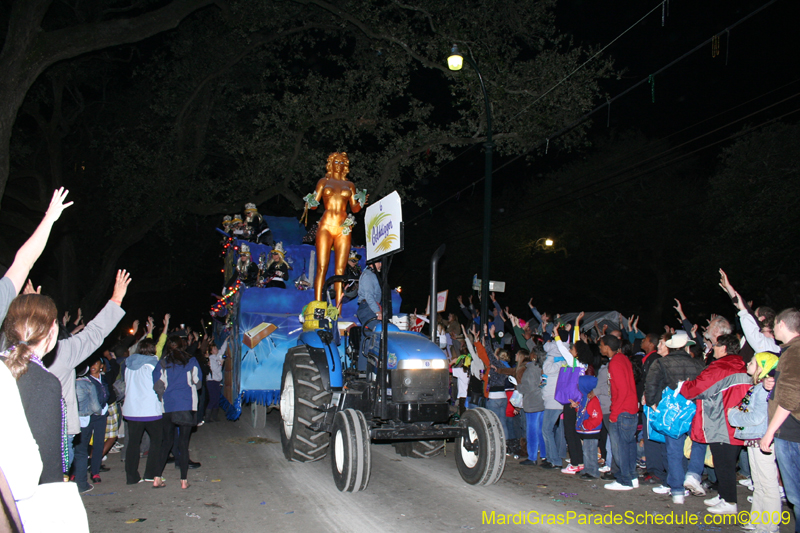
(589, 419)
(750, 420)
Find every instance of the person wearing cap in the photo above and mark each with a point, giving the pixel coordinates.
(751, 419)
(720, 386)
(277, 270)
(667, 371)
(248, 271)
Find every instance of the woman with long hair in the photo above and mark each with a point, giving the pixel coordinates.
(178, 375)
(31, 332)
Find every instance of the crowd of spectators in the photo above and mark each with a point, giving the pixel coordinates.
(572, 396)
(67, 400)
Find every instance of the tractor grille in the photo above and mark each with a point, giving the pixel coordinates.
(423, 385)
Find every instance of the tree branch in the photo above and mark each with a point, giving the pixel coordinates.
(261, 40)
(375, 35)
(76, 40)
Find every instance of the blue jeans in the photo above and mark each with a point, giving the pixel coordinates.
(788, 455)
(623, 445)
(744, 462)
(498, 407)
(676, 463)
(697, 460)
(555, 445)
(590, 465)
(96, 432)
(534, 435)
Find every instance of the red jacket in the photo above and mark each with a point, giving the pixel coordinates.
(623, 388)
(719, 387)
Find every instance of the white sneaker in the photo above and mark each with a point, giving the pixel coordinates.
(712, 501)
(783, 495)
(604, 469)
(749, 499)
(723, 507)
(678, 499)
(569, 469)
(746, 482)
(694, 486)
(662, 489)
(748, 527)
(635, 482)
(616, 486)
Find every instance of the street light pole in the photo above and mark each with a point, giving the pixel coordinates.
(455, 64)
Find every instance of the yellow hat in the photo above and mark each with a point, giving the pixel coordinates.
(767, 361)
(250, 207)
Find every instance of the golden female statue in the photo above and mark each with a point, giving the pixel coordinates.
(335, 226)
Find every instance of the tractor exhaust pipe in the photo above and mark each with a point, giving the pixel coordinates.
(434, 264)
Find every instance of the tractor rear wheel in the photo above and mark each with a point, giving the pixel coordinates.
(420, 449)
(484, 464)
(351, 455)
(303, 400)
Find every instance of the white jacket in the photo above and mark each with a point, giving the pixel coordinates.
(140, 399)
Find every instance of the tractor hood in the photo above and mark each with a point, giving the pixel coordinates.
(407, 346)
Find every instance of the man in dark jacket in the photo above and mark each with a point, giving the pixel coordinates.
(667, 371)
(655, 452)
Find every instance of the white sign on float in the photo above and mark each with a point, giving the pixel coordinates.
(383, 223)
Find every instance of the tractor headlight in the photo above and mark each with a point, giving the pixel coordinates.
(421, 364)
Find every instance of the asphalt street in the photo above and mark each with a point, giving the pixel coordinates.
(246, 485)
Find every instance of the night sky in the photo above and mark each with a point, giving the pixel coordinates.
(700, 100)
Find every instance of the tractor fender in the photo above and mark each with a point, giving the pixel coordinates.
(325, 357)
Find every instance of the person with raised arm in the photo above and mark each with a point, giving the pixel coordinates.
(759, 336)
(17, 273)
(74, 350)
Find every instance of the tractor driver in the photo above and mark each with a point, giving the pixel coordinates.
(369, 294)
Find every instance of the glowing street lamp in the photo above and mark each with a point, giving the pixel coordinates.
(454, 62)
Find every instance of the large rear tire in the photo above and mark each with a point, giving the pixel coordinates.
(303, 400)
(485, 464)
(419, 449)
(351, 455)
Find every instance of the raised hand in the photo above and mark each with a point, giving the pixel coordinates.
(725, 283)
(135, 327)
(28, 289)
(80, 317)
(530, 303)
(166, 321)
(460, 301)
(121, 285)
(65, 320)
(57, 204)
(679, 308)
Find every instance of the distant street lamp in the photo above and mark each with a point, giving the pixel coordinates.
(455, 62)
(548, 242)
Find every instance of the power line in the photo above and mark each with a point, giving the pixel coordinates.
(570, 196)
(583, 118)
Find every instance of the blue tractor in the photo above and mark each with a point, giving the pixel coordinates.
(387, 386)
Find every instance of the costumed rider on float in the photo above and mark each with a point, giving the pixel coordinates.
(277, 269)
